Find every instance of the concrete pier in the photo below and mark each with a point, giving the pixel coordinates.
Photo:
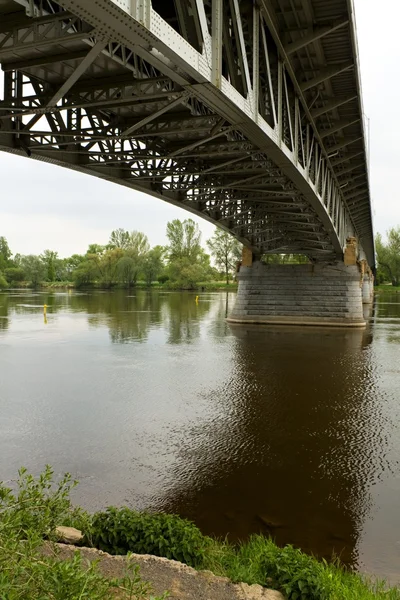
(304, 294)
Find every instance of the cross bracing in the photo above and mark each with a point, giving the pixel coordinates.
(245, 112)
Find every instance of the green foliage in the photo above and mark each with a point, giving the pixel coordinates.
(34, 269)
(153, 264)
(3, 282)
(5, 253)
(50, 258)
(29, 515)
(119, 238)
(127, 270)
(38, 504)
(118, 531)
(14, 274)
(226, 251)
(184, 240)
(388, 255)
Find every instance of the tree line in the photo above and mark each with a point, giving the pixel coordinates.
(182, 263)
(128, 259)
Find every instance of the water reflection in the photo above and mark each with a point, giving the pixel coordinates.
(287, 454)
(3, 312)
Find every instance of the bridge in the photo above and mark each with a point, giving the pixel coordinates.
(245, 112)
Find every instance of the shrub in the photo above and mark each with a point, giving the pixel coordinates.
(29, 515)
(119, 531)
(3, 282)
(163, 278)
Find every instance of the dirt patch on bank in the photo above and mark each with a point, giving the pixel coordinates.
(182, 582)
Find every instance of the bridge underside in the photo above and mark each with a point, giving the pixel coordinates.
(93, 88)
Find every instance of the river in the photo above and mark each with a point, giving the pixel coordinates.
(152, 400)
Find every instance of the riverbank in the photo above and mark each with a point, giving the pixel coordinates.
(30, 515)
(205, 286)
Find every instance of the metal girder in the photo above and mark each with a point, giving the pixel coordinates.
(73, 78)
(219, 160)
(216, 33)
(355, 194)
(154, 115)
(351, 168)
(312, 36)
(346, 157)
(345, 142)
(332, 104)
(42, 60)
(339, 126)
(326, 73)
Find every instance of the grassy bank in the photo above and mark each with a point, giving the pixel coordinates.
(142, 285)
(387, 288)
(31, 513)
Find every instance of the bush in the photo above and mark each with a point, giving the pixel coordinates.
(163, 278)
(27, 517)
(3, 282)
(14, 274)
(119, 531)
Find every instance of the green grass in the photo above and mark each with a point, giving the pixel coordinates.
(387, 288)
(30, 515)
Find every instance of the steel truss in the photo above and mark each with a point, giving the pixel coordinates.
(204, 111)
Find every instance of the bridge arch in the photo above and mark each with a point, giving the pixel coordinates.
(217, 111)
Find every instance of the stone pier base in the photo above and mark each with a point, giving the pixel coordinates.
(321, 294)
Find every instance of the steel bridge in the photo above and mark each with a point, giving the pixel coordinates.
(245, 112)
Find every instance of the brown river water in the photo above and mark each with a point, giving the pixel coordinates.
(155, 402)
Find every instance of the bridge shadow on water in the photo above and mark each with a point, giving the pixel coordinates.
(289, 456)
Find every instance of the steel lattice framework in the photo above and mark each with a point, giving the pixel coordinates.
(246, 112)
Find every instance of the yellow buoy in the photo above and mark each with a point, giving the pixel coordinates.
(45, 308)
(197, 299)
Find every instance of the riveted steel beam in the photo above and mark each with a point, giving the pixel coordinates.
(83, 66)
(346, 157)
(345, 142)
(325, 74)
(316, 34)
(332, 104)
(339, 126)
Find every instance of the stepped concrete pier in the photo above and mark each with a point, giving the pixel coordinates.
(329, 294)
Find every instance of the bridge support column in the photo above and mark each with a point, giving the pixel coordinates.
(367, 283)
(319, 294)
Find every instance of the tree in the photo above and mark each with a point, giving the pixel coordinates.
(184, 239)
(34, 268)
(119, 238)
(127, 270)
(5, 253)
(138, 244)
(136, 251)
(153, 264)
(49, 258)
(107, 265)
(388, 256)
(226, 251)
(14, 274)
(3, 281)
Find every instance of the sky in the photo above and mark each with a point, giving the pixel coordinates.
(47, 207)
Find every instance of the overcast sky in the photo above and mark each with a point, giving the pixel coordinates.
(43, 206)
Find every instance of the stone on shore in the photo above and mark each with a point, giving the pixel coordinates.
(69, 535)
